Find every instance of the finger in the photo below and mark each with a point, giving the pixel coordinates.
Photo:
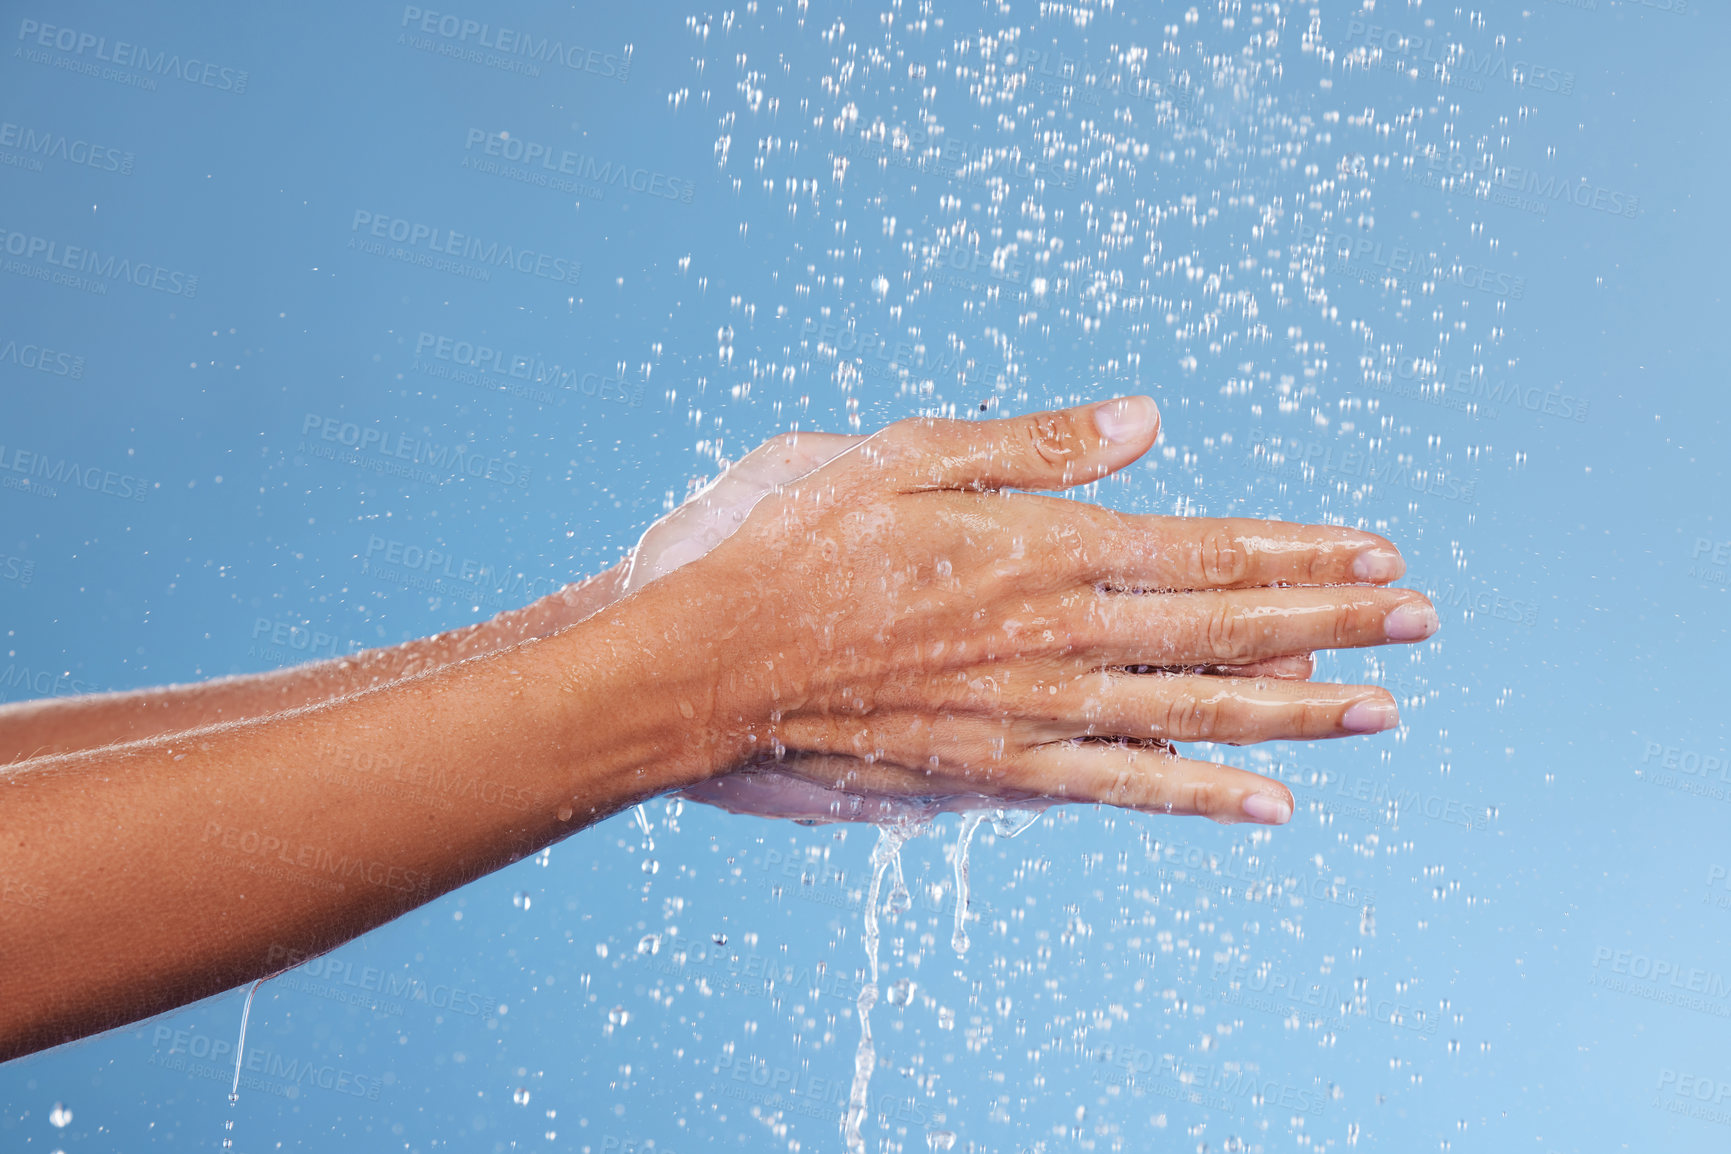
(1226, 710)
(1154, 779)
(1148, 553)
(1156, 553)
(1047, 450)
(1233, 627)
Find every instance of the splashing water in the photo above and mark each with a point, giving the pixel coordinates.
(970, 822)
(887, 849)
(900, 900)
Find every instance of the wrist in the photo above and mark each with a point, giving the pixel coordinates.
(641, 697)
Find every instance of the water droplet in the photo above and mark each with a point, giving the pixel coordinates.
(901, 992)
(651, 866)
(618, 1016)
(521, 1097)
(59, 1117)
(946, 1018)
(941, 1140)
(564, 813)
(649, 944)
(718, 939)
(520, 899)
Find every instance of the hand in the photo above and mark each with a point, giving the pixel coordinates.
(905, 618)
(709, 517)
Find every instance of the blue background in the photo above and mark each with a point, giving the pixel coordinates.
(1451, 276)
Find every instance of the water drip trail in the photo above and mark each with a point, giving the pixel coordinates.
(887, 849)
(970, 822)
(240, 1046)
(239, 1056)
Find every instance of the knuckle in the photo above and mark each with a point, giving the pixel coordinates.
(1202, 796)
(1049, 438)
(1225, 638)
(1189, 717)
(1222, 558)
(1347, 627)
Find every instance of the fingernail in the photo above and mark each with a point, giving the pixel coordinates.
(1126, 419)
(1378, 565)
(1413, 621)
(1267, 809)
(1370, 717)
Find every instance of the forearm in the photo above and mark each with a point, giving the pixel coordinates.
(68, 724)
(143, 876)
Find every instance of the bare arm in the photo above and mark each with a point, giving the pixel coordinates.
(143, 876)
(68, 724)
(895, 621)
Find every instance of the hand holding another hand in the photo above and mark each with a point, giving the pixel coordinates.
(890, 624)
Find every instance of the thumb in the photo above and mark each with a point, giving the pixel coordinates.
(1055, 449)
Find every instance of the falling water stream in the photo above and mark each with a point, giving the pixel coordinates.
(887, 857)
(239, 1057)
(887, 849)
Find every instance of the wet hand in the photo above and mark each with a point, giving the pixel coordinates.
(918, 630)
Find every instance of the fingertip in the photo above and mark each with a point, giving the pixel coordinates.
(1268, 808)
(1372, 715)
(1128, 420)
(1379, 565)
